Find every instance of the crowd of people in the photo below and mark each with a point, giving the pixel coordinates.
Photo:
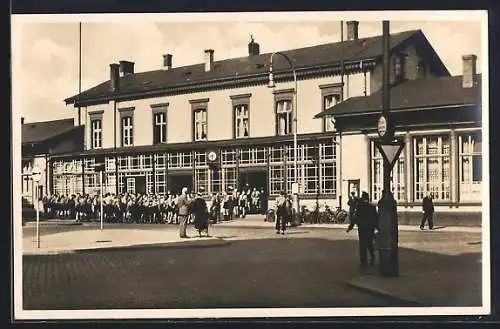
(151, 208)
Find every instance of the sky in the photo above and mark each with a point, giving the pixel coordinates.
(47, 52)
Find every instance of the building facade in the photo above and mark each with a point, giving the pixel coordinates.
(217, 125)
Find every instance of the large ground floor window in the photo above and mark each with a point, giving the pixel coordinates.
(398, 176)
(268, 168)
(442, 165)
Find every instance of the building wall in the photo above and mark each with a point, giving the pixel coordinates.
(219, 112)
(27, 186)
(411, 72)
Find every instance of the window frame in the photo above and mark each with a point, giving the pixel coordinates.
(157, 110)
(329, 90)
(199, 105)
(238, 101)
(127, 113)
(95, 117)
(284, 95)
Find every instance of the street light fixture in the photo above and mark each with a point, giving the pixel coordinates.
(271, 84)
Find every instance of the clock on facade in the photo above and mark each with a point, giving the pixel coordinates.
(212, 156)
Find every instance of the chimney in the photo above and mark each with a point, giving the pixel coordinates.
(126, 68)
(209, 60)
(253, 48)
(22, 120)
(114, 77)
(469, 78)
(352, 30)
(167, 62)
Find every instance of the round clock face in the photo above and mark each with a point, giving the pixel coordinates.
(212, 156)
(382, 126)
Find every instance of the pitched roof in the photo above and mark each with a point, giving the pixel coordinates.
(258, 65)
(420, 93)
(36, 132)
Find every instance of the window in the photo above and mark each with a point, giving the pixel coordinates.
(470, 166)
(96, 134)
(432, 167)
(276, 179)
(127, 131)
(127, 126)
(199, 108)
(399, 67)
(200, 124)
(328, 120)
(160, 128)
(241, 116)
(377, 176)
(241, 124)
(284, 117)
(331, 94)
(422, 69)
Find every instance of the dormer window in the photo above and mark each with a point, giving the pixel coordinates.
(399, 68)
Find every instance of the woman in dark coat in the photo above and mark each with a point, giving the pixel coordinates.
(200, 211)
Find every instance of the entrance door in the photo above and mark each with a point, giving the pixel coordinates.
(140, 184)
(177, 181)
(250, 179)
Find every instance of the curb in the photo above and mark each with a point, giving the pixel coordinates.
(50, 223)
(218, 242)
(380, 293)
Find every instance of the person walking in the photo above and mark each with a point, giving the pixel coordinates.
(200, 211)
(183, 206)
(352, 203)
(428, 212)
(366, 220)
(281, 213)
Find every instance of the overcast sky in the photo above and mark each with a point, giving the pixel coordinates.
(49, 50)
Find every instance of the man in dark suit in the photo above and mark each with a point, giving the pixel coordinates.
(367, 221)
(428, 210)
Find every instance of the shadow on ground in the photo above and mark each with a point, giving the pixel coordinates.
(276, 272)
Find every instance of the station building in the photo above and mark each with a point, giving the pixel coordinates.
(161, 130)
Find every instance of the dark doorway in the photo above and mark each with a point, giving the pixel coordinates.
(140, 184)
(254, 178)
(177, 181)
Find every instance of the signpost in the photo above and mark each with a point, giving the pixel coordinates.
(36, 175)
(390, 148)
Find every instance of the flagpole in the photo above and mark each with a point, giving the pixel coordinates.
(79, 70)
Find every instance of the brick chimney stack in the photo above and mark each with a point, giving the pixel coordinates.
(167, 61)
(114, 72)
(209, 60)
(469, 78)
(352, 30)
(253, 48)
(126, 68)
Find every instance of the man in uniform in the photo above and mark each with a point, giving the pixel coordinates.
(367, 221)
(428, 212)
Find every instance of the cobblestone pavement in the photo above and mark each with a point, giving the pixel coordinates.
(305, 268)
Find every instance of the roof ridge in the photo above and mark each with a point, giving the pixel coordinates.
(290, 50)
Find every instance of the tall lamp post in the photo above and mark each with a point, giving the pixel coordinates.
(390, 148)
(295, 184)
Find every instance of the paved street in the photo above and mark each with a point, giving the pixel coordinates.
(305, 268)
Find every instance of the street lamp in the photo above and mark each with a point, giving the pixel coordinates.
(271, 84)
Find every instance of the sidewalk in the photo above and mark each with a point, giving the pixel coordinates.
(257, 221)
(69, 242)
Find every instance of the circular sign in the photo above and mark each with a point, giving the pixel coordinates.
(212, 156)
(382, 126)
(36, 174)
